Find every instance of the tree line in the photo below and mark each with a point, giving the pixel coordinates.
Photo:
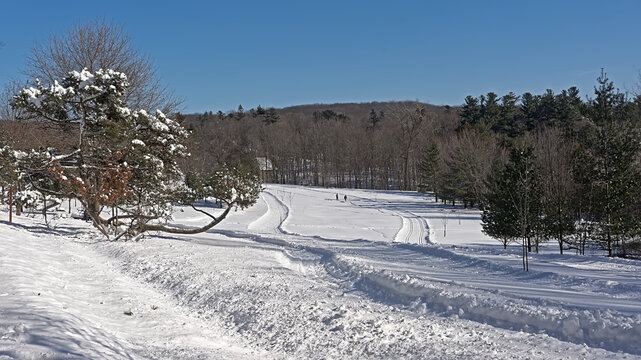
(566, 170)
(369, 146)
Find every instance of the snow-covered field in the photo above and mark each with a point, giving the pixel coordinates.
(302, 275)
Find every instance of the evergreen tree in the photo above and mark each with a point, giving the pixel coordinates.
(8, 171)
(122, 158)
(470, 113)
(429, 169)
(547, 111)
(529, 110)
(271, 116)
(516, 190)
(607, 157)
(510, 114)
(569, 110)
(490, 111)
(498, 219)
(240, 113)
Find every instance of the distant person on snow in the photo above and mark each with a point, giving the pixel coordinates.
(336, 196)
(345, 197)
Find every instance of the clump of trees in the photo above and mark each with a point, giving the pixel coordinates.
(122, 159)
(83, 133)
(574, 177)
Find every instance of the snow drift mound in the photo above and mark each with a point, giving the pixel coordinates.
(598, 328)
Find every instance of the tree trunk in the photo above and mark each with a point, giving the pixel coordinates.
(561, 244)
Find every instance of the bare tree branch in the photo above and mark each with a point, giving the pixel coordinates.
(99, 45)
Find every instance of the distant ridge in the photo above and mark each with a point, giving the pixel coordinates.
(355, 111)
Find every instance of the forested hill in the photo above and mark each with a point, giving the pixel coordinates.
(355, 111)
(373, 145)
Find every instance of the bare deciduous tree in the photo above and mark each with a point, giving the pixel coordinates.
(468, 160)
(412, 121)
(99, 45)
(7, 112)
(554, 157)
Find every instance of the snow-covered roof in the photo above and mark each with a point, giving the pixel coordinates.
(264, 164)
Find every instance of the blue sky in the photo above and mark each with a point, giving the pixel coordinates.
(216, 55)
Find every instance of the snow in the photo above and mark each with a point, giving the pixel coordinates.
(34, 96)
(159, 126)
(60, 299)
(85, 77)
(303, 275)
(125, 111)
(59, 90)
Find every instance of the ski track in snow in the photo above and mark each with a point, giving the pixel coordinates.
(414, 229)
(282, 285)
(513, 312)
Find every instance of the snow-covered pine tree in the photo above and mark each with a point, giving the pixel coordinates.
(121, 158)
(27, 185)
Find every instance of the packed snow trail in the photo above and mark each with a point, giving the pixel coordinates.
(414, 230)
(272, 220)
(320, 206)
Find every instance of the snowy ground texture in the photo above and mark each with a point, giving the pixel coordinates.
(302, 275)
